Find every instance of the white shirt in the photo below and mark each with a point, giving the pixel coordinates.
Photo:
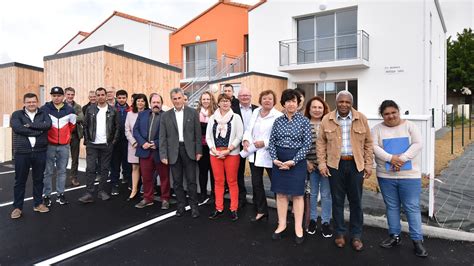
(259, 129)
(31, 115)
(246, 115)
(179, 121)
(101, 127)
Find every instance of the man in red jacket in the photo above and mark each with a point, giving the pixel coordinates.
(59, 135)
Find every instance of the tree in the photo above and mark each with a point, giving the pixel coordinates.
(460, 62)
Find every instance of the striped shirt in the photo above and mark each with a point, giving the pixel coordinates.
(346, 124)
(311, 156)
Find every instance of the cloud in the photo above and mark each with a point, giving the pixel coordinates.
(30, 30)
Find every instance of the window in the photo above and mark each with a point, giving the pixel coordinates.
(328, 90)
(200, 59)
(327, 37)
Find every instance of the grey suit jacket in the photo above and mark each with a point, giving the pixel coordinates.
(169, 138)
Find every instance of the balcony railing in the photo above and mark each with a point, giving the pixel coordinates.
(207, 69)
(325, 49)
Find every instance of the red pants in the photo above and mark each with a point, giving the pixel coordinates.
(148, 166)
(226, 169)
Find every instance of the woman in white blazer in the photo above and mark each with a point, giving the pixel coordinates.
(255, 142)
(223, 136)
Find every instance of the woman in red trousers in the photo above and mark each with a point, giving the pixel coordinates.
(223, 136)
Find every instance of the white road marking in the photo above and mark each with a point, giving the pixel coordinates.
(107, 239)
(7, 172)
(53, 193)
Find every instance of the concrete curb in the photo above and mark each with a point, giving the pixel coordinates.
(381, 222)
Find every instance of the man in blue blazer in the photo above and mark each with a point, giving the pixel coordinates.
(146, 131)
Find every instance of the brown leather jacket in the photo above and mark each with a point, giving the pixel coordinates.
(329, 143)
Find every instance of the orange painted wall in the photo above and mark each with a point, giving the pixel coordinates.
(225, 23)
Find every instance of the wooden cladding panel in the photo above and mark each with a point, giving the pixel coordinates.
(82, 72)
(7, 91)
(14, 83)
(27, 80)
(103, 69)
(138, 77)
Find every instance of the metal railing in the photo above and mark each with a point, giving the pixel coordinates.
(208, 68)
(196, 88)
(325, 49)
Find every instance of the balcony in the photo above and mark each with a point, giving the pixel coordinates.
(341, 51)
(208, 69)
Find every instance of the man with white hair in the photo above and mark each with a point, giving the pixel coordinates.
(244, 109)
(345, 155)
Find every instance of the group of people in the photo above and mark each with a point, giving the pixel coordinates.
(332, 150)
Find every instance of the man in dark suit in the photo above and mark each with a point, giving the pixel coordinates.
(244, 109)
(146, 132)
(181, 148)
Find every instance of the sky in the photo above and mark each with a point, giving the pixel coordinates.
(458, 14)
(32, 29)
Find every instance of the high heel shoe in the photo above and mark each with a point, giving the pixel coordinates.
(278, 236)
(255, 219)
(132, 197)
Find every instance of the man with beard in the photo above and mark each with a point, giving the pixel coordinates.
(146, 132)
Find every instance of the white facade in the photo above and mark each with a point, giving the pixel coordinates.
(406, 52)
(143, 39)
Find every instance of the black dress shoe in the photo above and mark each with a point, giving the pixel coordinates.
(195, 212)
(255, 219)
(420, 250)
(180, 212)
(233, 216)
(215, 214)
(393, 240)
(299, 240)
(278, 236)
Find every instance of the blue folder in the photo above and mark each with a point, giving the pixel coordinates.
(397, 146)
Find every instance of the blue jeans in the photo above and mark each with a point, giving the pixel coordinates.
(402, 193)
(347, 181)
(56, 155)
(319, 182)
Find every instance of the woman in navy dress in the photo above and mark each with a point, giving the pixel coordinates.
(289, 143)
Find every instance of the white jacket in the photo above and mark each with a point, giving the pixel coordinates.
(261, 157)
(236, 132)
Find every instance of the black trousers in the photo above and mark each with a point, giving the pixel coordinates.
(204, 170)
(120, 158)
(23, 162)
(75, 145)
(259, 196)
(241, 180)
(186, 167)
(347, 180)
(97, 156)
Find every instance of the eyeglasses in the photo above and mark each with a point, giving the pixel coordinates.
(245, 95)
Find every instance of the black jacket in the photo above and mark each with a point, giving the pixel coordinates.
(23, 128)
(90, 124)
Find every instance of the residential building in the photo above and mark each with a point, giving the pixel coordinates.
(377, 50)
(132, 34)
